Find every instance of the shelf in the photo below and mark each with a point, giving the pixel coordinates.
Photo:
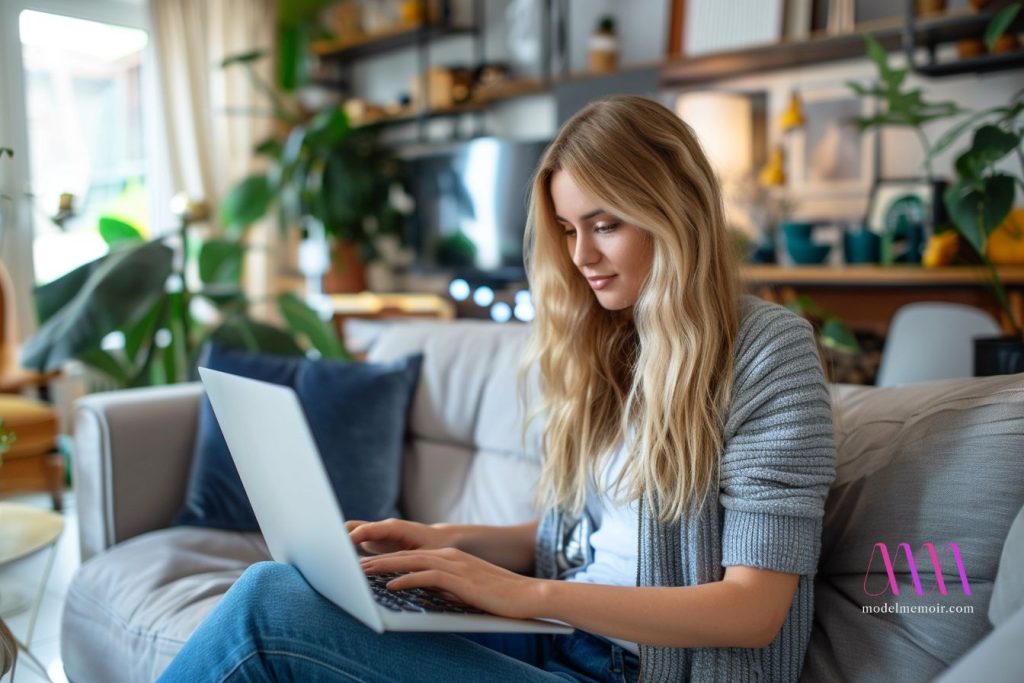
(378, 43)
(877, 276)
(493, 94)
(819, 49)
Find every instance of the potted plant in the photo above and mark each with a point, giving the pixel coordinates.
(982, 195)
(320, 171)
(138, 293)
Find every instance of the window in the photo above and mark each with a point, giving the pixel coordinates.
(84, 106)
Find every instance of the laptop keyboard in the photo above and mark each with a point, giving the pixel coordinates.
(413, 599)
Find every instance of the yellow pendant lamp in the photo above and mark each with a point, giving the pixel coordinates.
(773, 173)
(793, 117)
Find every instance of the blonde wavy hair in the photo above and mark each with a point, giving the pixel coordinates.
(663, 375)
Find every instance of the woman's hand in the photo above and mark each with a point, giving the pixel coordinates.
(391, 535)
(462, 576)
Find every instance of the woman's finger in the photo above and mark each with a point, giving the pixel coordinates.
(436, 579)
(408, 561)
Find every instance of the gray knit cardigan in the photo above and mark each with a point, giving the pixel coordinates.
(777, 463)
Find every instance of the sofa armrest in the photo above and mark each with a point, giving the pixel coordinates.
(133, 451)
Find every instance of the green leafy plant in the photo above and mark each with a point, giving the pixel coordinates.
(983, 193)
(138, 291)
(899, 105)
(833, 333)
(321, 170)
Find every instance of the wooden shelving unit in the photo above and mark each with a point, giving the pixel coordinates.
(821, 49)
(867, 296)
(399, 37)
(874, 275)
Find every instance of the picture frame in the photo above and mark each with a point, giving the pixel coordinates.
(832, 164)
(700, 27)
(914, 199)
(902, 212)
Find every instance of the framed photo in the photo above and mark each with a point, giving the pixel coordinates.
(699, 27)
(830, 158)
(901, 201)
(902, 212)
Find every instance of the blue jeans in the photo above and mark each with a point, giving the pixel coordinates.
(272, 626)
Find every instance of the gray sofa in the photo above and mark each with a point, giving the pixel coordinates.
(929, 463)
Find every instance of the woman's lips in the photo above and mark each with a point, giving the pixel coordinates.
(600, 282)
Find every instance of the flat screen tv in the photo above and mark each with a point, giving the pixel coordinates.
(471, 204)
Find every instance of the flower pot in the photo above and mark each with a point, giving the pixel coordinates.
(998, 356)
(862, 246)
(348, 272)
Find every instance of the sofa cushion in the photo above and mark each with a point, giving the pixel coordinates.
(998, 658)
(467, 459)
(938, 463)
(1008, 591)
(140, 601)
(356, 411)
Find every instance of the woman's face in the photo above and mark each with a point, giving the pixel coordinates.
(614, 256)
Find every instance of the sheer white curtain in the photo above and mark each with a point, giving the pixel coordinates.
(210, 142)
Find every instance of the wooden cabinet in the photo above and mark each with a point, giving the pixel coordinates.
(866, 297)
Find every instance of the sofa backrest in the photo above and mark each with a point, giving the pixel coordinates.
(938, 462)
(465, 459)
(935, 463)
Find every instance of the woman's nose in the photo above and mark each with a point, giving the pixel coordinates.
(585, 254)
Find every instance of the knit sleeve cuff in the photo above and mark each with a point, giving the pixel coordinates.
(776, 542)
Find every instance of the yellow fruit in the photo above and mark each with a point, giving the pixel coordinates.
(940, 250)
(1005, 245)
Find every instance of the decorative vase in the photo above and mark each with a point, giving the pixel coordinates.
(765, 249)
(802, 250)
(348, 272)
(862, 246)
(998, 356)
(603, 48)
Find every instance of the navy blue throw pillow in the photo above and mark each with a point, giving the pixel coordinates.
(356, 411)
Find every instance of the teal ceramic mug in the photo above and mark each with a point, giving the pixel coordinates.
(861, 245)
(799, 245)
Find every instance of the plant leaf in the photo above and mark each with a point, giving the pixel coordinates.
(303, 320)
(837, 335)
(56, 294)
(1000, 22)
(105, 362)
(977, 211)
(954, 133)
(246, 203)
(243, 57)
(220, 262)
(121, 289)
(138, 333)
(174, 356)
(240, 332)
(114, 231)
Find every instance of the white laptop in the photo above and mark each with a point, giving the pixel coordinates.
(301, 520)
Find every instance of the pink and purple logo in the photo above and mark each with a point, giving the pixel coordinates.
(889, 562)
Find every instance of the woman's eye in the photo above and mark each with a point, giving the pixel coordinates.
(609, 227)
(570, 233)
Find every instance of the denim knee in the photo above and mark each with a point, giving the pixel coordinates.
(269, 577)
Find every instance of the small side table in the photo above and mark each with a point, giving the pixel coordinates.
(24, 531)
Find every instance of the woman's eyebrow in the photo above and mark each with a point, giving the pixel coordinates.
(595, 212)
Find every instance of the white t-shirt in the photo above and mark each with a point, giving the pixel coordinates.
(615, 540)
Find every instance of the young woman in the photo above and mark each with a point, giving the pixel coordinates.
(688, 450)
